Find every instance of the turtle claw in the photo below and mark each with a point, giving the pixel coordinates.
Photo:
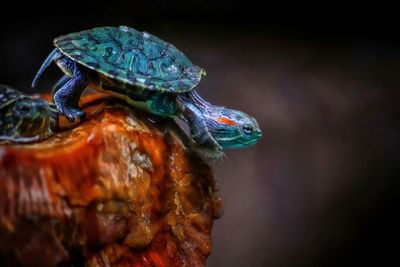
(209, 149)
(210, 153)
(74, 115)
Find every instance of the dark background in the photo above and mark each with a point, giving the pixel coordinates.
(323, 81)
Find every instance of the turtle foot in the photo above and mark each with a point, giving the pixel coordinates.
(73, 114)
(210, 154)
(210, 150)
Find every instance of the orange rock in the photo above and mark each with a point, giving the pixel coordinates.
(119, 189)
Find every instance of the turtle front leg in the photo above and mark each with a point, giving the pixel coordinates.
(198, 127)
(67, 96)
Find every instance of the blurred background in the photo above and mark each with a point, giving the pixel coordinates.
(322, 79)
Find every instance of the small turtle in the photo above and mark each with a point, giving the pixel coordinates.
(149, 74)
(23, 118)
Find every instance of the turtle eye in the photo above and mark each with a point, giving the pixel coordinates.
(247, 129)
(24, 108)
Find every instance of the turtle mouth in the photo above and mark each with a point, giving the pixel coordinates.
(256, 137)
(53, 112)
(252, 141)
(258, 134)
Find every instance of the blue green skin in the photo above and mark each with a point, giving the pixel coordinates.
(25, 119)
(244, 133)
(150, 74)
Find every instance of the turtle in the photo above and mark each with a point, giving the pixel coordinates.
(148, 73)
(24, 118)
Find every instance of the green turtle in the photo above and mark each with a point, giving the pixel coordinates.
(23, 118)
(148, 73)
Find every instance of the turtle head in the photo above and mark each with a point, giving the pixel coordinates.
(234, 129)
(34, 117)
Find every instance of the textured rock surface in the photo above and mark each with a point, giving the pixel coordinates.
(120, 189)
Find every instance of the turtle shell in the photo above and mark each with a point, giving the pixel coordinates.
(132, 57)
(8, 96)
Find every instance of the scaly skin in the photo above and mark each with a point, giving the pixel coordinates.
(147, 73)
(25, 119)
(218, 128)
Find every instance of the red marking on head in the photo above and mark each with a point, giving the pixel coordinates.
(226, 121)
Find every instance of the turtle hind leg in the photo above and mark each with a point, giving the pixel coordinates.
(198, 128)
(67, 96)
(60, 83)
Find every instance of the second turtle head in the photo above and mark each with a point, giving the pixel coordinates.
(33, 116)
